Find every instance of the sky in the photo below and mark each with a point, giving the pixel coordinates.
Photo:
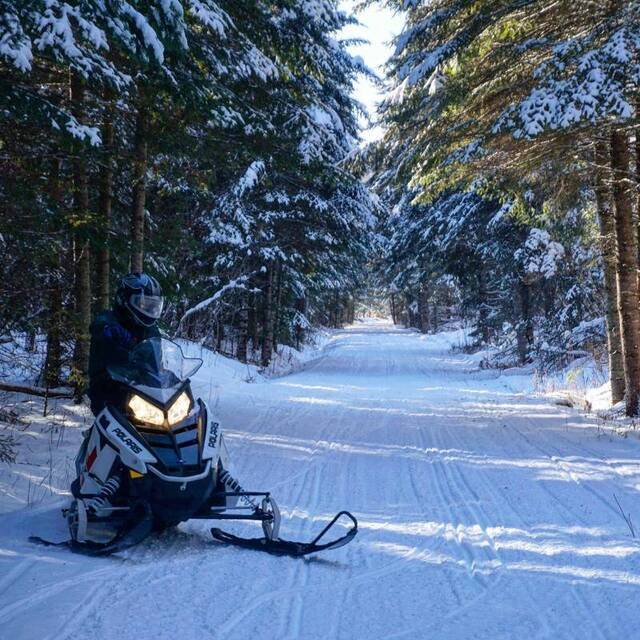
(379, 26)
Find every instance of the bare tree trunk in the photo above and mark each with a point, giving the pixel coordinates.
(609, 259)
(351, 310)
(139, 187)
(53, 359)
(267, 325)
(483, 307)
(423, 309)
(627, 268)
(241, 348)
(252, 321)
(638, 180)
(104, 209)
(409, 322)
(82, 291)
(335, 305)
(394, 317)
(278, 303)
(82, 263)
(525, 327)
(301, 308)
(219, 333)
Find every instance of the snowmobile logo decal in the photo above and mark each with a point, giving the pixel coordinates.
(212, 439)
(124, 437)
(213, 436)
(121, 434)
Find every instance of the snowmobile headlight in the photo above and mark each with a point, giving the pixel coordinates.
(179, 410)
(145, 412)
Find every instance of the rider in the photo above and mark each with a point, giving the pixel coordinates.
(138, 305)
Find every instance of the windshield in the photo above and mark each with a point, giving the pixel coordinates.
(156, 362)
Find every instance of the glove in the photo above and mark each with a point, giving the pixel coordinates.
(119, 335)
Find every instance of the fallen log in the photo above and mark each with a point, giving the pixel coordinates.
(36, 391)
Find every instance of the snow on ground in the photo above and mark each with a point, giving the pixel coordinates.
(486, 511)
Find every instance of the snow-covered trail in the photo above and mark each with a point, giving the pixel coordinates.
(485, 512)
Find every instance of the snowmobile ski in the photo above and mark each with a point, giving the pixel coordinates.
(280, 547)
(128, 538)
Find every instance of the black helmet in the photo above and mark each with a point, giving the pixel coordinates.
(139, 297)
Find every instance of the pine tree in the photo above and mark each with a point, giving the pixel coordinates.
(204, 140)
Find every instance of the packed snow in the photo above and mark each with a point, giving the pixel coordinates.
(486, 510)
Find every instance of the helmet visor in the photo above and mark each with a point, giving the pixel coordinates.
(150, 306)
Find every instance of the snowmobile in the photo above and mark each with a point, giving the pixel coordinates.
(157, 458)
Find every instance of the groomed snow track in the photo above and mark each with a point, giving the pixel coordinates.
(484, 512)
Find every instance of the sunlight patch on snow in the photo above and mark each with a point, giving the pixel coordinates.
(583, 573)
(313, 387)
(484, 566)
(554, 548)
(534, 410)
(411, 553)
(557, 469)
(509, 538)
(312, 400)
(463, 390)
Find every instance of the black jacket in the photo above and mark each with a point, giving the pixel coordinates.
(112, 340)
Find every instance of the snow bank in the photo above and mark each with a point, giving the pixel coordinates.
(582, 384)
